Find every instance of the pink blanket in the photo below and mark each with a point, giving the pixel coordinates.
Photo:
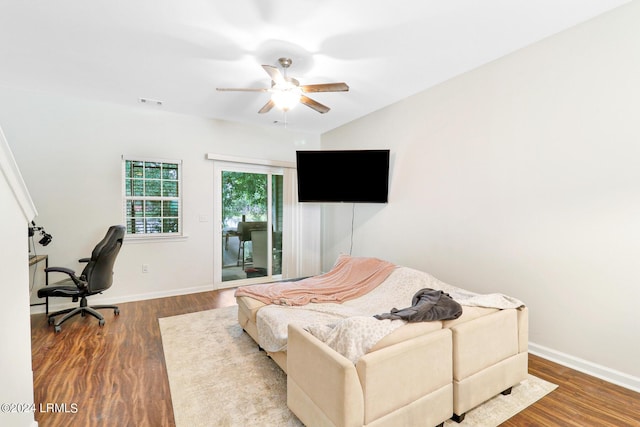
(349, 278)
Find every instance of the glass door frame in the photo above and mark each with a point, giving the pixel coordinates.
(218, 237)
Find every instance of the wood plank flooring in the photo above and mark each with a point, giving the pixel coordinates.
(115, 375)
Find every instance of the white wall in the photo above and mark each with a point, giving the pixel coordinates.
(522, 177)
(70, 152)
(16, 376)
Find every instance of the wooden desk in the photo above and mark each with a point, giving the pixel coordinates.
(34, 259)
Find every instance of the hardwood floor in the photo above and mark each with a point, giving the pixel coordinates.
(115, 375)
(580, 400)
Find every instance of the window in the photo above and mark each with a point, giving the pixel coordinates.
(152, 197)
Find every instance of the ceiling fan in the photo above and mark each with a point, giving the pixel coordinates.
(286, 92)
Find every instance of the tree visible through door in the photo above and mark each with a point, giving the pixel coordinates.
(251, 225)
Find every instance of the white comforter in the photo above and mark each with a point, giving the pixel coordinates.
(355, 336)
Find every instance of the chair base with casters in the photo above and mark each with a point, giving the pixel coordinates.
(82, 310)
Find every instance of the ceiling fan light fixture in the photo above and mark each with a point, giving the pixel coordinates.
(286, 95)
(286, 92)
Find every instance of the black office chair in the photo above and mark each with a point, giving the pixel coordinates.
(96, 277)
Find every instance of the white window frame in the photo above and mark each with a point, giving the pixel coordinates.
(125, 198)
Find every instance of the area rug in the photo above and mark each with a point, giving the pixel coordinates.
(219, 377)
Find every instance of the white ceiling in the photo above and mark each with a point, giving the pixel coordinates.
(179, 51)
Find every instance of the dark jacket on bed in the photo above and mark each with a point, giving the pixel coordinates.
(426, 305)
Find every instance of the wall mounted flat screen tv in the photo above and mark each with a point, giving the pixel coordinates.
(351, 176)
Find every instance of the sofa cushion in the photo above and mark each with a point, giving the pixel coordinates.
(471, 391)
(406, 332)
(321, 384)
(395, 376)
(484, 342)
(469, 313)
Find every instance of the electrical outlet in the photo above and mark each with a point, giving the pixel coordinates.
(145, 268)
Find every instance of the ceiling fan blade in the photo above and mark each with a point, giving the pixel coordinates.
(230, 89)
(267, 107)
(314, 104)
(274, 73)
(325, 87)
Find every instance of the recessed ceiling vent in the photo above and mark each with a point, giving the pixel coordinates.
(150, 101)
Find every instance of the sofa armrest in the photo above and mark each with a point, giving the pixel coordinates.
(322, 385)
(523, 330)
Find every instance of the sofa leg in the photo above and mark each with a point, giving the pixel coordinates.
(441, 424)
(458, 418)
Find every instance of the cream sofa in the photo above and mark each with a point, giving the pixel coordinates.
(419, 374)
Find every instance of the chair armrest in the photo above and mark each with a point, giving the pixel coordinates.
(79, 281)
(64, 270)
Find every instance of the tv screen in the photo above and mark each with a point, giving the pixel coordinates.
(354, 176)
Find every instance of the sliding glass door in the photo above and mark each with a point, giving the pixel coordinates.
(249, 211)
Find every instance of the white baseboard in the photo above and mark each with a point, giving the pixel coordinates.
(62, 303)
(589, 368)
